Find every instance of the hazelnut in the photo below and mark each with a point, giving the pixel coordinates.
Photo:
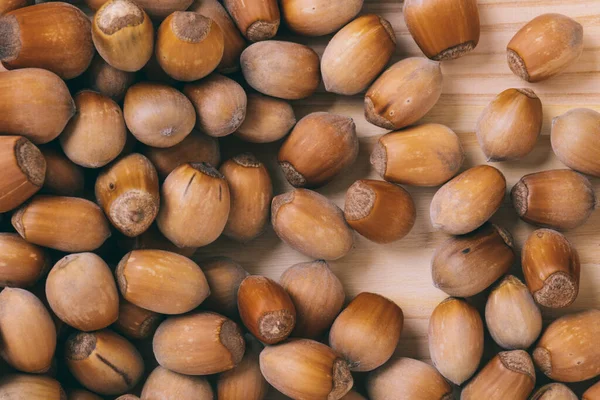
(54, 36)
(544, 47)
(422, 155)
(509, 126)
(23, 171)
(443, 29)
(22, 264)
(511, 315)
(27, 331)
(320, 146)
(404, 93)
(554, 391)
(96, 135)
(574, 140)
(305, 369)
(357, 54)
(281, 69)
(198, 344)
(220, 104)
(267, 119)
(195, 205)
(189, 46)
(67, 224)
(266, 309)
(509, 375)
(63, 177)
(127, 191)
(158, 115)
(165, 384)
(233, 41)
(161, 281)
(468, 200)
(107, 80)
(312, 224)
(82, 292)
(560, 199)
(380, 211)
(256, 19)
(152, 239)
(406, 378)
(251, 192)
(466, 265)
(593, 393)
(317, 294)
(455, 339)
(136, 322)
(371, 316)
(567, 350)
(224, 277)
(551, 268)
(318, 17)
(52, 109)
(30, 387)
(103, 362)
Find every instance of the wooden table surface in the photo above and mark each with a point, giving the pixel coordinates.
(401, 271)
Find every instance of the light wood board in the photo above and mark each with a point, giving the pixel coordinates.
(401, 271)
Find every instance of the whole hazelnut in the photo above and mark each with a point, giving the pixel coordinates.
(574, 140)
(256, 19)
(318, 17)
(267, 119)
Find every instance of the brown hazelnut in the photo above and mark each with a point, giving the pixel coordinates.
(27, 331)
(455, 339)
(320, 146)
(443, 29)
(466, 265)
(593, 393)
(161, 281)
(127, 191)
(152, 239)
(165, 384)
(281, 69)
(30, 387)
(317, 294)
(123, 35)
(233, 41)
(551, 268)
(198, 344)
(555, 391)
(318, 371)
(245, 381)
(136, 322)
(195, 205)
(468, 200)
(371, 316)
(560, 199)
(267, 119)
(574, 140)
(251, 192)
(318, 17)
(406, 378)
(509, 126)
(509, 375)
(55, 36)
(68, 224)
(266, 309)
(189, 46)
(195, 148)
(63, 177)
(567, 350)
(356, 55)
(10, 5)
(512, 317)
(380, 211)
(23, 171)
(220, 104)
(544, 47)
(103, 362)
(82, 292)
(404, 93)
(224, 277)
(52, 109)
(158, 115)
(96, 135)
(22, 264)
(256, 19)
(312, 224)
(422, 155)
(80, 394)
(106, 79)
